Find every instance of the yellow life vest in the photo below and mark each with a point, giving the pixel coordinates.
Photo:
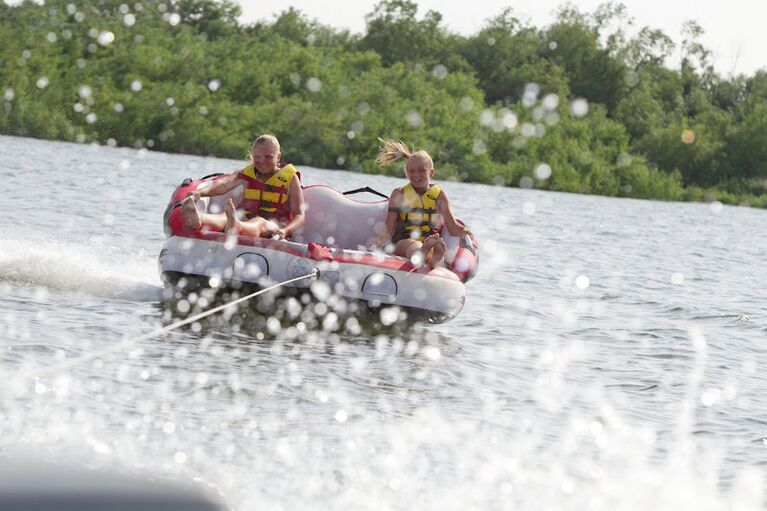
(418, 215)
(268, 198)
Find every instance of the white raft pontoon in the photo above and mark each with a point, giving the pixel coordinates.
(334, 241)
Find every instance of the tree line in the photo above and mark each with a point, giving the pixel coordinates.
(586, 104)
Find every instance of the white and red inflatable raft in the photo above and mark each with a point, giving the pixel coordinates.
(334, 241)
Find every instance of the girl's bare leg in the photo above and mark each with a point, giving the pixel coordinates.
(255, 227)
(421, 253)
(258, 227)
(196, 220)
(406, 247)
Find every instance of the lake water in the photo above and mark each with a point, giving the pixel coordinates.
(610, 354)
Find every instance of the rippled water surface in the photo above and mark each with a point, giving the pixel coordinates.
(610, 355)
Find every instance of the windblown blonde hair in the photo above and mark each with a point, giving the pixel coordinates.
(393, 150)
(266, 138)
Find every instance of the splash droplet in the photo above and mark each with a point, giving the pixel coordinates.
(582, 282)
(543, 171)
(105, 38)
(579, 107)
(313, 84)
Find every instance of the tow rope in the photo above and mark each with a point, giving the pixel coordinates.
(33, 374)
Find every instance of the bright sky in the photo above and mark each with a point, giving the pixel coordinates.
(735, 30)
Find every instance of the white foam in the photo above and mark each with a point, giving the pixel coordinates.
(82, 268)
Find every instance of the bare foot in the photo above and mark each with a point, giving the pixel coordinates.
(428, 256)
(232, 224)
(190, 213)
(434, 249)
(439, 253)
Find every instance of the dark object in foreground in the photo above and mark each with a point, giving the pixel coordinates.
(28, 486)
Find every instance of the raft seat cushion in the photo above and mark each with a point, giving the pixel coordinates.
(332, 218)
(337, 220)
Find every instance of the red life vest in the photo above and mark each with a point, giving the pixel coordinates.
(268, 199)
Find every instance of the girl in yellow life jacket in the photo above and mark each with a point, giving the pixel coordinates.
(416, 210)
(273, 202)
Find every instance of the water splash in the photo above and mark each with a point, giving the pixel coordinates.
(82, 268)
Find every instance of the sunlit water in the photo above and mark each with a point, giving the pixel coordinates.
(610, 355)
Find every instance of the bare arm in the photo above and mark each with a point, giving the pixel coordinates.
(219, 186)
(453, 227)
(395, 201)
(297, 207)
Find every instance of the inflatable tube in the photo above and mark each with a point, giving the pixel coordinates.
(335, 241)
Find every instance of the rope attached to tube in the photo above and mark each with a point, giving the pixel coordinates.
(90, 356)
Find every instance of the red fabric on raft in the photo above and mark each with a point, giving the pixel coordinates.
(320, 252)
(464, 263)
(176, 221)
(175, 218)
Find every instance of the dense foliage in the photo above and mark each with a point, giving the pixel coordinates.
(575, 106)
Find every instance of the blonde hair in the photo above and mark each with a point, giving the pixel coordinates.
(266, 138)
(393, 150)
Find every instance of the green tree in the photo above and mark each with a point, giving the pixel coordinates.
(747, 148)
(395, 33)
(573, 43)
(504, 55)
(214, 18)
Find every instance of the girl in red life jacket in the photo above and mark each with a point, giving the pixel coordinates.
(273, 203)
(416, 210)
